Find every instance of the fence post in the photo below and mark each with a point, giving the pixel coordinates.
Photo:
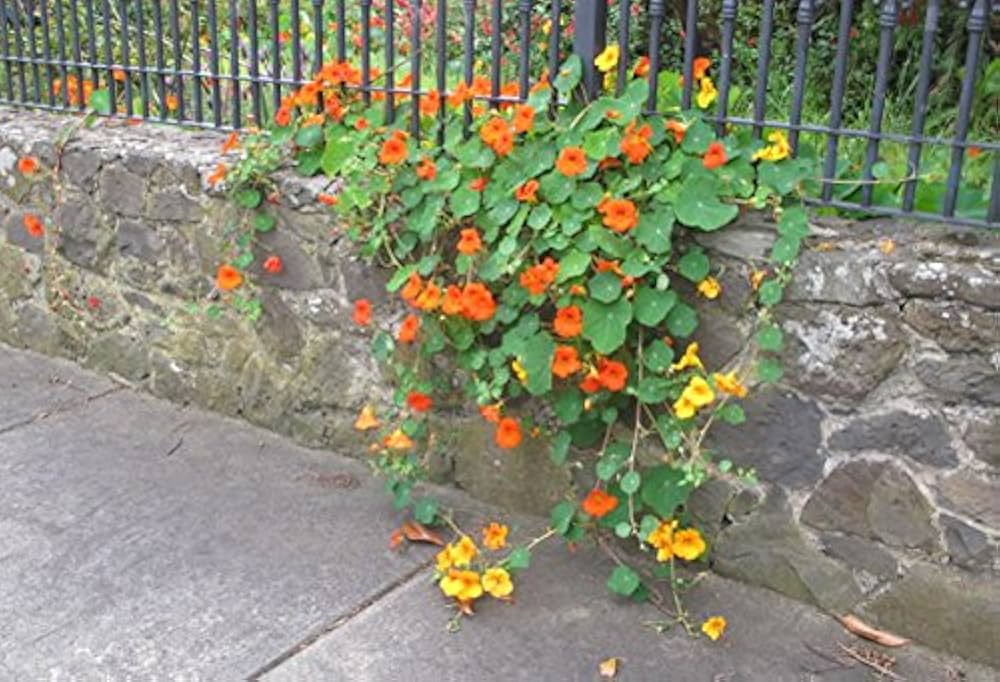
(590, 19)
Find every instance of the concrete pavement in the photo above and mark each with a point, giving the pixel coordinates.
(143, 541)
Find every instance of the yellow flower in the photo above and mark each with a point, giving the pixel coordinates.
(547, 27)
(689, 359)
(698, 392)
(367, 419)
(776, 151)
(688, 544)
(519, 371)
(608, 59)
(756, 278)
(706, 93)
(684, 408)
(462, 585)
(397, 440)
(443, 560)
(497, 583)
(729, 384)
(463, 552)
(714, 627)
(663, 540)
(709, 288)
(495, 536)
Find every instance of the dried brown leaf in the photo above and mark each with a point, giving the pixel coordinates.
(858, 627)
(396, 538)
(415, 532)
(608, 667)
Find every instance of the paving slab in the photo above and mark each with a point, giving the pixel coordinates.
(140, 541)
(565, 622)
(33, 385)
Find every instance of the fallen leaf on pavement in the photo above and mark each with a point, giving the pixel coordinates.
(862, 629)
(396, 538)
(608, 667)
(415, 532)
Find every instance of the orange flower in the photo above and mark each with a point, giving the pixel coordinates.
(526, 192)
(973, 152)
(511, 90)
(700, 66)
(477, 302)
(452, 304)
(641, 67)
(495, 536)
(568, 322)
(524, 118)
(490, 413)
(228, 278)
(217, 175)
(430, 298)
(283, 116)
(460, 95)
(361, 124)
(620, 215)
(327, 199)
(542, 84)
(591, 383)
(273, 265)
(572, 161)
(33, 226)
(598, 503)
(469, 241)
(412, 289)
(27, 165)
(537, 278)
(393, 151)
(678, 129)
(565, 362)
(508, 433)
(715, 156)
(419, 402)
(430, 103)
(612, 374)
(504, 143)
(408, 330)
(426, 170)
(367, 419)
(362, 312)
(479, 184)
(231, 142)
(118, 75)
(635, 144)
(397, 440)
(491, 131)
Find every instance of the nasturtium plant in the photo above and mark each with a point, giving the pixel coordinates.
(546, 252)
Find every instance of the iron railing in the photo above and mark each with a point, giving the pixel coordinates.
(228, 64)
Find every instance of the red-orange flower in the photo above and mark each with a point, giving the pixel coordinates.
(231, 142)
(635, 143)
(27, 165)
(537, 278)
(393, 151)
(490, 413)
(228, 278)
(430, 103)
(426, 169)
(620, 215)
(572, 161)
(361, 123)
(419, 402)
(430, 298)
(408, 330)
(524, 118)
(700, 66)
(452, 303)
(217, 175)
(283, 116)
(273, 265)
(33, 226)
(612, 374)
(678, 129)
(568, 322)
(598, 503)
(413, 287)
(497, 134)
(641, 67)
(527, 191)
(469, 241)
(715, 156)
(479, 184)
(508, 434)
(565, 361)
(362, 315)
(591, 383)
(327, 199)
(477, 302)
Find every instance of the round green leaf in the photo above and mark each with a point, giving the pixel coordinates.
(264, 222)
(652, 305)
(770, 338)
(630, 482)
(658, 356)
(698, 206)
(464, 202)
(682, 320)
(606, 324)
(694, 265)
(770, 293)
(623, 581)
(605, 287)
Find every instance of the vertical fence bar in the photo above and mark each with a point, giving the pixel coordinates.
(213, 61)
(414, 10)
(690, 40)
(524, 67)
(390, 58)
(296, 43)
(920, 101)
(161, 62)
(276, 57)
(590, 19)
(803, 20)
(555, 38)
(196, 78)
(109, 56)
(837, 96)
(258, 114)
(175, 35)
(725, 69)
(994, 215)
(441, 66)
(655, 28)
(234, 62)
(318, 38)
(95, 76)
(887, 29)
(5, 50)
(126, 66)
(19, 51)
(341, 31)
(763, 67)
(623, 52)
(74, 25)
(366, 66)
(47, 52)
(143, 64)
(33, 51)
(975, 26)
(61, 40)
(468, 43)
(495, 37)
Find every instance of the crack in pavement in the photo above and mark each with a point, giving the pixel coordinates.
(62, 408)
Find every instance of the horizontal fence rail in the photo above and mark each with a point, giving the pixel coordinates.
(898, 102)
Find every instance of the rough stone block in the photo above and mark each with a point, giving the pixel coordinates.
(122, 192)
(874, 563)
(924, 439)
(172, 205)
(982, 435)
(953, 326)
(961, 378)
(976, 496)
(939, 278)
(968, 547)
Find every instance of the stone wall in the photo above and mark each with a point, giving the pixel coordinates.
(879, 452)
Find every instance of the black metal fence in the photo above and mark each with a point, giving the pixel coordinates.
(925, 98)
